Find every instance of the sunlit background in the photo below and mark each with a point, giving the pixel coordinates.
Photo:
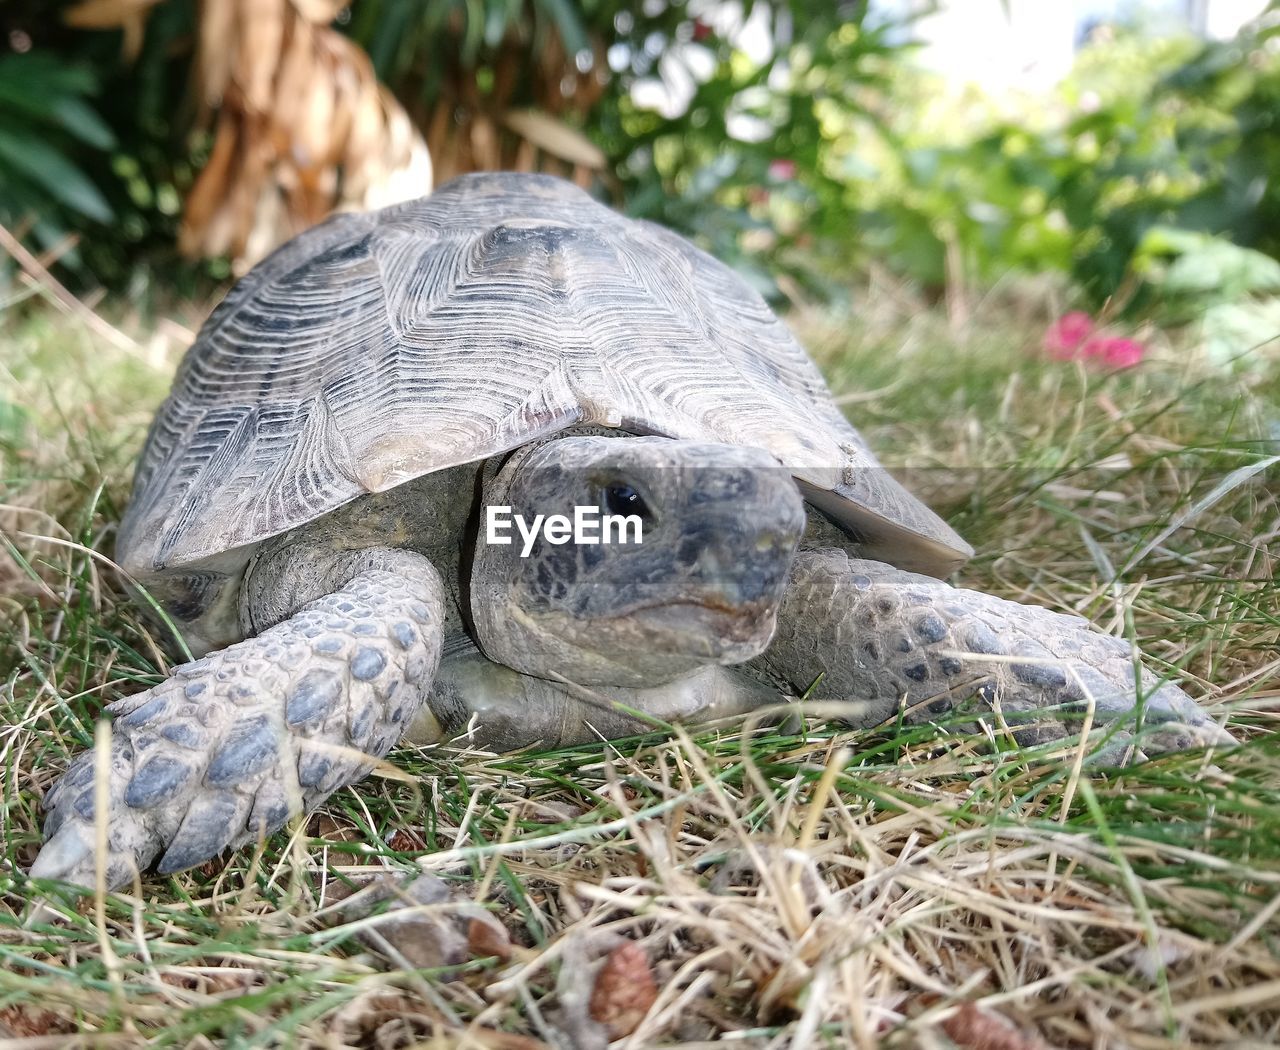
(1032, 44)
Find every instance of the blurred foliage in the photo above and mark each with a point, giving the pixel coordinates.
(142, 163)
(762, 165)
(1145, 136)
(1231, 94)
(1232, 293)
(745, 168)
(462, 67)
(799, 164)
(1068, 183)
(47, 128)
(1198, 269)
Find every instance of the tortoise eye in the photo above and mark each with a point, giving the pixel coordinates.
(623, 499)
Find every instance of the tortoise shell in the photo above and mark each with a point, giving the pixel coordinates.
(503, 308)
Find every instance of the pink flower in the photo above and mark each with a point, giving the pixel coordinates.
(1065, 336)
(1074, 337)
(1115, 351)
(782, 170)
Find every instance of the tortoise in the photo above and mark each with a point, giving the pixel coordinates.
(318, 508)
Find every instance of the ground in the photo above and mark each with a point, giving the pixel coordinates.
(799, 887)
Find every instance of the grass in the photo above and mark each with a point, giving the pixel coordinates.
(809, 887)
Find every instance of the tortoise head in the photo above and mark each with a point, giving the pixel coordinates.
(632, 562)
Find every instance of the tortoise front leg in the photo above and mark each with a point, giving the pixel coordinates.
(235, 744)
(877, 634)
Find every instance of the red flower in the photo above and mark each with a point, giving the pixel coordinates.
(1066, 335)
(701, 30)
(1074, 337)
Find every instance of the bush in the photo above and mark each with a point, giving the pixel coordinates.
(1143, 138)
(759, 166)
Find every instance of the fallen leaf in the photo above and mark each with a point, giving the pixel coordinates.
(974, 1028)
(406, 842)
(624, 991)
(29, 1022)
(421, 921)
(488, 938)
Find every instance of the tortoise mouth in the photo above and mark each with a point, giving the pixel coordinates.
(710, 603)
(708, 627)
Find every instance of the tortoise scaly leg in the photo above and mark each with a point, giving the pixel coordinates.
(884, 636)
(235, 744)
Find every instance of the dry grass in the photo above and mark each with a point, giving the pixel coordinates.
(801, 888)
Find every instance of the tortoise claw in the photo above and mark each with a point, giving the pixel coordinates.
(65, 855)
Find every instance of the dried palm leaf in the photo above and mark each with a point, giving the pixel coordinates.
(214, 59)
(257, 42)
(555, 137)
(302, 126)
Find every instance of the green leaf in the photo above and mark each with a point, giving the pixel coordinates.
(1204, 264)
(1234, 334)
(55, 174)
(567, 24)
(474, 34)
(43, 75)
(15, 424)
(83, 122)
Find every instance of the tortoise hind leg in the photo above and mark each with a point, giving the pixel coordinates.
(882, 636)
(235, 744)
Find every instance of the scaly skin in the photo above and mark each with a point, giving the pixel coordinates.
(235, 744)
(884, 636)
